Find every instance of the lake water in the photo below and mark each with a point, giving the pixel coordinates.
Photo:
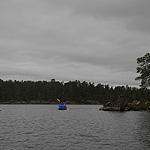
(83, 127)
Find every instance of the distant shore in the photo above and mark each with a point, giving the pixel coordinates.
(52, 103)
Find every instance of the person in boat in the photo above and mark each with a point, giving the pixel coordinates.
(62, 103)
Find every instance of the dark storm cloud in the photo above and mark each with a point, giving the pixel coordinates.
(92, 40)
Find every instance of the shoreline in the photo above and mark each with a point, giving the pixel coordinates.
(46, 103)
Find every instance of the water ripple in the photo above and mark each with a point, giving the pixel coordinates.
(84, 127)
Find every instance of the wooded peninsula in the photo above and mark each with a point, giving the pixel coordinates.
(72, 92)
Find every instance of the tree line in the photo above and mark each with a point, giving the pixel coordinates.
(76, 91)
(72, 91)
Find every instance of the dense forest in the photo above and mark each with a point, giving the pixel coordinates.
(75, 92)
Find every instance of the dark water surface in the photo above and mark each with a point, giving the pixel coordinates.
(83, 127)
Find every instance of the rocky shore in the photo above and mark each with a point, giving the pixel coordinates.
(122, 105)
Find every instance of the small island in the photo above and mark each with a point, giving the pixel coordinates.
(123, 105)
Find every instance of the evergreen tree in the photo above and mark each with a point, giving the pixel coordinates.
(73, 91)
(144, 69)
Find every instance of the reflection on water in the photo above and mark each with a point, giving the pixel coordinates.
(143, 133)
(82, 127)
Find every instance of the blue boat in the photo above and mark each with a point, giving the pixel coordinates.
(62, 107)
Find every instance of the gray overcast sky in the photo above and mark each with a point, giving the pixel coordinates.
(88, 40)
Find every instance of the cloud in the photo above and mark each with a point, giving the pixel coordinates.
(97, 41)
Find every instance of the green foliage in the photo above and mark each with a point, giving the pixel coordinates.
(72, 91)
(144, 69)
